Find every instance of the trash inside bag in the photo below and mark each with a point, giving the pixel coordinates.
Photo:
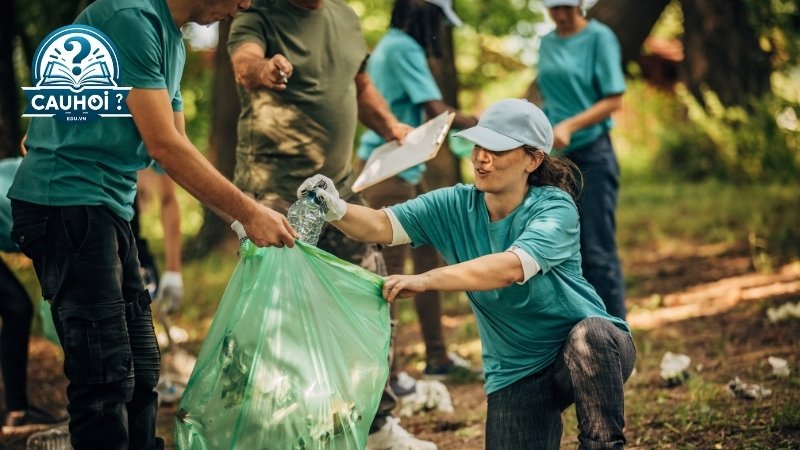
(295, 358)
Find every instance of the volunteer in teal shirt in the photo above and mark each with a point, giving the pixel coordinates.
(580, 82)
(95, 163)
(512, 242)
(399, 69)
(71, 204)
(400, 72)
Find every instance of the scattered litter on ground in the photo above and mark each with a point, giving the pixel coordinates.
(784, 312)
(674, 368)
(429, 395)
(747, 391)
(780, 367)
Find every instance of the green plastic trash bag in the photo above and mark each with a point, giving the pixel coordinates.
(295, 358)
(46, 319)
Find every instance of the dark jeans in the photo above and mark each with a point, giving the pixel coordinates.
(597, 204)
(16, 311)
(86, 261)
(596, 361)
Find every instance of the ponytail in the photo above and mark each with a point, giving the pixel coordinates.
(557, 171)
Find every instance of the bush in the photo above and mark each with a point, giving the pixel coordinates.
(731, 143)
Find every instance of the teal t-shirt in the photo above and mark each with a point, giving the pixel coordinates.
(95, 163)
(575, 72)
(8, 167)
(523, 327)
(400, 72)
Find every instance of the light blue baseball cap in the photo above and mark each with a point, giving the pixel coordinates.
(509, 124)
(447, 8)
(554, 3)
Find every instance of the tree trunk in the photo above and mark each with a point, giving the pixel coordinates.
(722, 52)
(631, 20)
(221, 144)
(9, 100)
(443, 170)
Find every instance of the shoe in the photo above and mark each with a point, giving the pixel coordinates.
(392, 436)
(403, 384)
(457, 369)
(29, 420)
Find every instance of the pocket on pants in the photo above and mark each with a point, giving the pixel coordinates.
(96, 345)
(30, 238)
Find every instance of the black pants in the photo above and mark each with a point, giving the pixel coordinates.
(16, 311)
(86, 261)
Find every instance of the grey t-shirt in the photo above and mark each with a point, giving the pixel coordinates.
(285, 137)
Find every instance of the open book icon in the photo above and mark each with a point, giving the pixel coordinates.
(59, 74)
(391, 158)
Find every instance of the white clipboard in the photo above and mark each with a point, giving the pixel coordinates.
(421, 144)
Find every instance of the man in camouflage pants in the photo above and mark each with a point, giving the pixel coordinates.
(300, 66)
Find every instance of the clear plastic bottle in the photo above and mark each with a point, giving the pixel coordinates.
(307, 218)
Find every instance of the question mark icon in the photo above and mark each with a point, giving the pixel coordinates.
(119, 100)
(85, 48)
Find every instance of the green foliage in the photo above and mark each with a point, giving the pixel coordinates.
(666, 212)
(778, 23)
(729, 143)
(501, 17)
(197, 91)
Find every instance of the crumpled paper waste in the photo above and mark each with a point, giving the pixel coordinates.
(674, 368)
(784, 312)
(429, 395)
(747, 391)
(780, 367)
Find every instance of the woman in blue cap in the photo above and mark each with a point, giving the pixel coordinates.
(580, 83)
(512, 243)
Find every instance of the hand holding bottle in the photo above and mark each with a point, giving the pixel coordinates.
(333, 207)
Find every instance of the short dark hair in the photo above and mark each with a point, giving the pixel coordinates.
(422, 21)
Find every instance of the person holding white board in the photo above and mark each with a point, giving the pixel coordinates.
(399, 69)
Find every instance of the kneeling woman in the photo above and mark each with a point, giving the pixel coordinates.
(512, 243)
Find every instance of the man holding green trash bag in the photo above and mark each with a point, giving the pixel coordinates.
(512, 242)
(72, 201)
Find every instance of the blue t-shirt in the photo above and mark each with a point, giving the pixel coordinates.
(523, 327)
(95, 163)
(400, 72)
(577, 71)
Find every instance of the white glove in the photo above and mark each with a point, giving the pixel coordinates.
(170, 291)
(327, 196)
(317, 181)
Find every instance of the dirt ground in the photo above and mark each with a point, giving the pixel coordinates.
(709, 304)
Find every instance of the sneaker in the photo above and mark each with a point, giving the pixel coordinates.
(457, 368)
(403, 384)
(29, 420)
(392, 436)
